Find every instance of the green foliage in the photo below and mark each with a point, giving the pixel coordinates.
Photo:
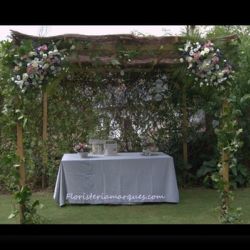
(23, 198)
(228, 215)
(208, 172)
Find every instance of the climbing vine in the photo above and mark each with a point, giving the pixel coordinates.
(209, 69)
(26, 68)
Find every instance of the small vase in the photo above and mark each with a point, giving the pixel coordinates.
(146, 152)
(83, 154)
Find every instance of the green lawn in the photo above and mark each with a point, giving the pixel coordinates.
(197, 205)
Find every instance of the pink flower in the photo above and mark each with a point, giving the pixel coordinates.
(208, 44)
(215, 59)
(43, 47)
(226, 70)
(30, 69)
(196, 56)
(81, 147)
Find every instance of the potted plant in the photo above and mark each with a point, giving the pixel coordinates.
(82, 149)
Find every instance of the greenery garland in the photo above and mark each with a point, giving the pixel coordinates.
(206, 64)
(30, 67)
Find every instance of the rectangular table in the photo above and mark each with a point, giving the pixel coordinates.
(123, 179)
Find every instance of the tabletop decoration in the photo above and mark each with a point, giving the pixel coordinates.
(82, 149)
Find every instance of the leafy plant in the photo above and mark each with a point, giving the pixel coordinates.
(23, 199)
(208, 172)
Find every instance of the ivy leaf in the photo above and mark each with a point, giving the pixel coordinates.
(234, 171)
(12, 215)
(245, 98)
(115, 62)
(25, 122)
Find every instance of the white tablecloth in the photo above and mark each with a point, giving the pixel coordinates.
(123, 179)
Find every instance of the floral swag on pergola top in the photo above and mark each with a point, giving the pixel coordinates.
(34, 68)
(206, 63)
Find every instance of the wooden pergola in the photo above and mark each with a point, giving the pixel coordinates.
(148, 50)
(129, 52)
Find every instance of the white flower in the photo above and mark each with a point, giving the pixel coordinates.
(181, 60)
(45, 55)
(191, 53)
(25, 76)
(189, 59)
(206, 50)
(34, 64)
(50, 53)
(217, 66)
(36, 59)
(19, 83)
(201, 84)
(45, 66)
(202, 53)
(187, 45)
(18, 77)
(32, 53)
(220, 75)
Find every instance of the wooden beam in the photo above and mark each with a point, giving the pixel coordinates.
(45, 137)
(184, 126)
(225, 155)
(22, 176)
(107, 60)
(126, 38)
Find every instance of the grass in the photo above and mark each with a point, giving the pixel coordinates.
(197, 206)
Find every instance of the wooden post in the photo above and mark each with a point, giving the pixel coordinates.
(45, 137)
(184, 126)
(225, 156)
(225, 170)
(20, 154)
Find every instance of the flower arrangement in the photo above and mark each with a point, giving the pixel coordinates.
(206, 63)
(148, 145)
(37, 66)
(82, 147)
